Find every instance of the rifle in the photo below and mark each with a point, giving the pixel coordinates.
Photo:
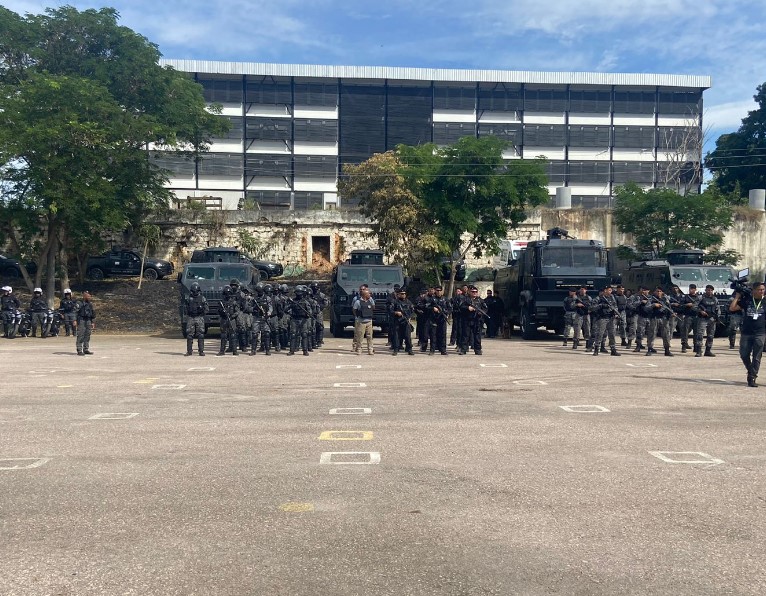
(612, 308)
(664, 307)
(299, 305)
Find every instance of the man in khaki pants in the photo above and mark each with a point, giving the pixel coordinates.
(363, 309)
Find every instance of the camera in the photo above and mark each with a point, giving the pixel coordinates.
(739, 284)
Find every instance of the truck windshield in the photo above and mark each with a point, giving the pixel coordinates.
(690, 274)
(573, 260)
(200, 272)
(718, 274)
(386, 276)
(230, 272)
(355, 274)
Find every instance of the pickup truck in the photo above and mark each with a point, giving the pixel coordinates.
(119, 262)
(221, 254)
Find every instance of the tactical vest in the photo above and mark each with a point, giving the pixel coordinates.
(366, 309)
(195, 306)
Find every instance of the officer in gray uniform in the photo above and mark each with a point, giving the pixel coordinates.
(229, 314)
(582, 318)
(68, 309)
(85, 325)
(321, 300)
(659, 313)
(622, 322)
(605, 313)
(195, 308)
(643, 317)
(242, 322)
(707, 318)
(273, 319)
(569, 313)
(688, 307)
(38, 306)
(735, 324)
(284, 317)
(262, 311)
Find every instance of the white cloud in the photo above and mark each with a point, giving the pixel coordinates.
(727, 116)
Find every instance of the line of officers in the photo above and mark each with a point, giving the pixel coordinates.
(264, 319)
(432, 310)
(644, 316)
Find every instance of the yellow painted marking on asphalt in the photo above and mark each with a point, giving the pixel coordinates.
(297, 507)
(346, 435)
(62, 386)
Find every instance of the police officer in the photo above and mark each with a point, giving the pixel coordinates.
(582, 318)
(735, 324)
(284, 317)
(708, 313)
(262, 311)
(643, 317)
(622, 321)
(277, 312)
(68, 309)
(659, 313)
(455, 307)
(438, 308)
(9, 305)
(473, 313)
(688, 307)
(605, 314)
(401, 310)
(569, 313)
(229, 314)
(195, 308)
(421, 318)
(495, 309)
(242, 322)
(753, 329)
(85, 325)
(300, 315)
(38, 306)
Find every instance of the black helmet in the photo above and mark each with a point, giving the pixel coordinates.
(195, 289)
(234, 283)
(228, 291)
(268, 289)
(300, 290)
(314, 287)
(283, 288)
(259, 288)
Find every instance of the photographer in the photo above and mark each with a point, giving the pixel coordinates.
(753, 328)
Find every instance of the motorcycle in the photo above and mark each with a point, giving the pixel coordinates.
(11, 322)
(25, 324)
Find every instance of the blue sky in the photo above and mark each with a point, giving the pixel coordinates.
(720, 38)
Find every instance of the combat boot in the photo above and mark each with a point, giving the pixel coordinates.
(709, 353)
(668, 352)
(684, 349)
(604, 350)
(628, 345)
(595, 351)
(189, 343)
(731, 344)
(565, 342)
(624, 343)
(751, 381)
(201, 346)
(614, 352)
(575, 344)
(651, 351)
(588, 344)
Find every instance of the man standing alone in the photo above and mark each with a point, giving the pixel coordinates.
(363, 309)
(753, 329)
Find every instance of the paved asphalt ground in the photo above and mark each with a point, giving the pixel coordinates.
(484, 484)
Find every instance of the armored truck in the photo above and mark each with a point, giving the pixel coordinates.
(362, 267)
(212, 277)
(533, 288)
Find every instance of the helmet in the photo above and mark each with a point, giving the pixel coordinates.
(67, 291)
(314, 287)
(283, 288)
(6, 288)
(227, 291)
(234, 283)
(195, 289)
(300, 290)
(259, 288)
(268, 289)
(38, 291)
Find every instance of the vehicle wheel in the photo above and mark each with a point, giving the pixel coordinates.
(95, 273)
(12, 273)
(150, 274)
(263, 274)
(527, 328)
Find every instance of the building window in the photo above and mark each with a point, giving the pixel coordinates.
(500, 97)
(589, 136)
(316, 131)
(545, 100)
(316, 166)
(634, 102)
(316, 94)
(507, 132)
(633, 171)
(556, 172)
(684, 103)
(220, 164)
(588, 172)
(672, 138)
(409, 115)
(269, 199)
(222, 91)
(308, 200)
(544, 135)
(590, 102)
(449, 133)
(361, 121)
(269, 165)
(177, 164)
(634, 137)
(268, 129)
(268, 92)
(455, 98)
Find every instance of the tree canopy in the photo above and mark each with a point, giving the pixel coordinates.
(661, 220)
(82, 99)
(738, 162)
(426, 202)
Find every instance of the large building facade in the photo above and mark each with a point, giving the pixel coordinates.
(293, 128)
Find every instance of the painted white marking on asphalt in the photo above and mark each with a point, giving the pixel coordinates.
(168, 386)
(634, 365)
(702, 458)
(584, 409)
(200, 368)
(335, 457)
(529, 382)
(45, 371)
(346, 435)
(64, 386)
(114, 416)
(348, 366)
(349, 385)
(493, 365)
(7, 463)
(351, 411)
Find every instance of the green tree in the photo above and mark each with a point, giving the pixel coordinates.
(82, 98)
(738, 162)
(661, 220)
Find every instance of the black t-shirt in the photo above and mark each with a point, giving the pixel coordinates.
(753, 315)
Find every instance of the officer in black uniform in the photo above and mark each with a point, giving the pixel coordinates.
(659, 312)
(86, 314)
(401, 311)
(473, 314)
(495, 310)
(229, 314)
(569, 313)
(300, 311)
(456, 324)
(277, 306)
(284, 317)
(68, 309)
(421, 318)
(242, 322)
(751, 342)
(438, 309)
(9, 304)
(38, 306)
(582, 318)
(195, 309)
(708, 313)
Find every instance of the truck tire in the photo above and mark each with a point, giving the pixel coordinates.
(528, 330)
(151, 274)
(95, 273)
(264, 275)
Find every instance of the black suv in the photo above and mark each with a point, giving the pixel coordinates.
(126, 262)
(10, 267)
(222, 254)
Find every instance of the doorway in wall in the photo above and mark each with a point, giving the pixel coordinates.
(320, 252)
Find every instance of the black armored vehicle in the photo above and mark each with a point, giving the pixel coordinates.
(212, 277)
(362, 267)
(534, 286)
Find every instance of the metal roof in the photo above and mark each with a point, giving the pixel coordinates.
(439, 74)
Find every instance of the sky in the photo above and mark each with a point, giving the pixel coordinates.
(720, 38)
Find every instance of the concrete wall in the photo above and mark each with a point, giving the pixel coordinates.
(289, 236)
